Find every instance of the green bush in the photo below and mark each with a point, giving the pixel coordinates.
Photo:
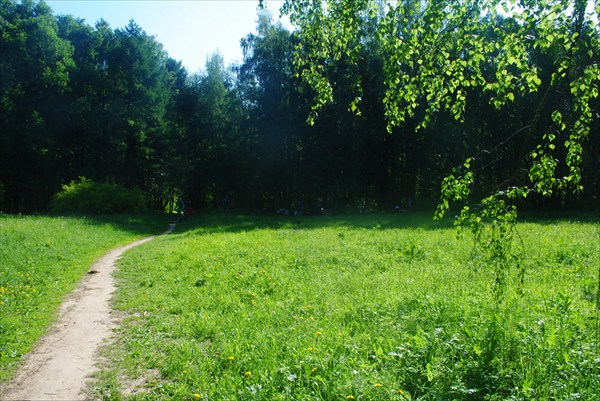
(88, 196)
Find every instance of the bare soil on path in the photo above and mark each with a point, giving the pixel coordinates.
(61, 364)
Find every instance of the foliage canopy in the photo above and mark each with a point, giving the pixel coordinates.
(507, 92)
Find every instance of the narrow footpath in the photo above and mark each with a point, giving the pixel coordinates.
(61, 364)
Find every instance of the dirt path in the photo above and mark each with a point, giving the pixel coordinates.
(59, 367)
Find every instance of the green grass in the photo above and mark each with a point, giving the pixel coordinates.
(365, 308)
(41, 260)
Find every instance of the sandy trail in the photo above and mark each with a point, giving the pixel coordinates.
(60, 365)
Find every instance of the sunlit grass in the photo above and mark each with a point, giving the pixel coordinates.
(41, 260)
(372, 308)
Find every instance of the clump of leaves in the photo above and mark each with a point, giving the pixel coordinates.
(88, 196)
(492, 223)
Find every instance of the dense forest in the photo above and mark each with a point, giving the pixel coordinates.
(110, 105)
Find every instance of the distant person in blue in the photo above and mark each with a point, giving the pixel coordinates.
(180, 209)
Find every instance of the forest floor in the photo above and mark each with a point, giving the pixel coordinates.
(63, 361)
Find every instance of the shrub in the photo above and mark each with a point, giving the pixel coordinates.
(88, 196)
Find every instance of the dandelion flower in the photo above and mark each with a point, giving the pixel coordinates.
(377, 385)
(350, 397)
(318, 333)
(313, 370)
(230, 358)
(197, 395)
(248, 374)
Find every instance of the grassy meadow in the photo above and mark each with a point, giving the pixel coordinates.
(41, 260)
(385, 307)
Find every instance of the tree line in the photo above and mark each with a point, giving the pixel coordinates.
(110, 104)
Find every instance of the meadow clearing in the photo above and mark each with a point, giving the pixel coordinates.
(41, 260)
(382, 307)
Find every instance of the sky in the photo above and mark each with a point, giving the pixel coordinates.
(190, 30)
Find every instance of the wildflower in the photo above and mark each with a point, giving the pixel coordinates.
(197, 395)
(230, 358)
(313, 370)
(377, 385)
(248, 374)
(318, 333)
(350, 397)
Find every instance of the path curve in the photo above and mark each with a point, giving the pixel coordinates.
(60, 365)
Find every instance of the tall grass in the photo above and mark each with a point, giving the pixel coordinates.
(41, 260)
(371, 308)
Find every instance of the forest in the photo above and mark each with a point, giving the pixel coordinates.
(110, 105)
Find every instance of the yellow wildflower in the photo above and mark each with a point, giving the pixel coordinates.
(248, 374)
(197, 395)
(350, 397)
(377, 385)
(230, 358)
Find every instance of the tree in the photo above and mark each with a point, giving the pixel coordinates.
(136, 70)
(80, 136)
(271, 97)
(33, 76)
(207, 110)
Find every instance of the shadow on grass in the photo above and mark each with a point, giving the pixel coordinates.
(154, 223)
(148, 223)
(218, 222)
(231, 222)
(546, 217)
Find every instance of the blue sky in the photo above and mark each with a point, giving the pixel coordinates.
(189, 30)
